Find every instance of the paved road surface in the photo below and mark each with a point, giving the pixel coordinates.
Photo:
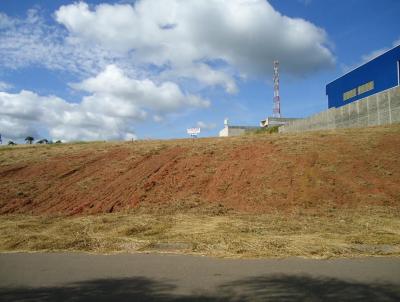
(156, 277)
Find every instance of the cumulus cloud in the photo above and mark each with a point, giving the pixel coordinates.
(113, 84)
(114, 104)
(182, 38)
(144, 60)
(14, 128)
(248, 34)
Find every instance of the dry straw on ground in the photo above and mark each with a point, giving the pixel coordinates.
(364, 232)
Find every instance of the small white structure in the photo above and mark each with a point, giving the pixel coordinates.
(235, 130)
(225, 131)
(226, 122)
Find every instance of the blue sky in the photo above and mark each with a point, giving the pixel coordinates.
(114, 70)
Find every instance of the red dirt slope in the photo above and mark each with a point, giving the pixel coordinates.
(260, 173)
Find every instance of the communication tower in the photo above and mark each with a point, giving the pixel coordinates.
(277, 100)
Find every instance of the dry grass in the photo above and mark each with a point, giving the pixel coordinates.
(368, 231)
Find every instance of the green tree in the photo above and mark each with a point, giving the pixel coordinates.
(43, 141)
(29, 139)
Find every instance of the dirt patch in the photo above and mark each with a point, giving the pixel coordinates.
(266, 173)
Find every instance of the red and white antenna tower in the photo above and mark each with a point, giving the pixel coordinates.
(277, 98)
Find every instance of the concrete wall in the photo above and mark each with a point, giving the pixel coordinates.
(276, 121)
(236, 130)
(230, 131)
(379, 109)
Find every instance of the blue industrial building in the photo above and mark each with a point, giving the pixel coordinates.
(379, 74)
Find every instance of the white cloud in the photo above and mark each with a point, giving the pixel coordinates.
(33, 42)
(112, 84)
(116, 102)
(5, 21)
(205, 75)
(206, 126)
(183, 39)
(248, 34)
(164, 51)
(14, 128)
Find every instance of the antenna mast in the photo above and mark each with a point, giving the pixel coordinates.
(277, 99)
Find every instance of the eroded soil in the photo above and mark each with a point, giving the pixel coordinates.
(256, 174)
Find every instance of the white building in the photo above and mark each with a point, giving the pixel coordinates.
(235, 130)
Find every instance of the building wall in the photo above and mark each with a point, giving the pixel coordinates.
(276, 121)
(229, 131)
(379, 109)
(224, 132)
(236, 130)
(382, 71)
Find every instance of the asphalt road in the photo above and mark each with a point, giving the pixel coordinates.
(156, 277)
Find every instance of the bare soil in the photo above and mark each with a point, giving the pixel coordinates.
(269, 173)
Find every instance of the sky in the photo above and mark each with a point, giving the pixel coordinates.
(123, 70)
